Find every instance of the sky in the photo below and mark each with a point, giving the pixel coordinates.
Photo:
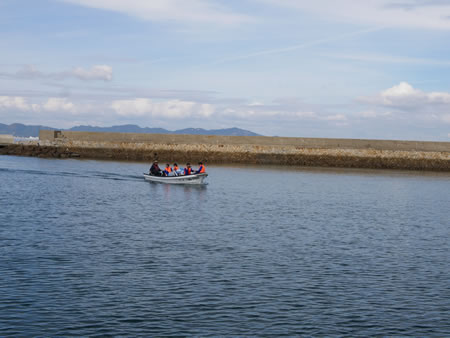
(373, 69)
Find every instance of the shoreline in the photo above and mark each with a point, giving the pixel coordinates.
(259, 150)
(221, 154)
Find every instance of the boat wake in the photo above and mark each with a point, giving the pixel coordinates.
(85, 174)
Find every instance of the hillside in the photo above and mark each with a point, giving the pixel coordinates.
(22, 130)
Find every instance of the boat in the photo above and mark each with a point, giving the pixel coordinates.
(182, 179)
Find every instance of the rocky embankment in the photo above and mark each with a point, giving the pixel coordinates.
(244, 154)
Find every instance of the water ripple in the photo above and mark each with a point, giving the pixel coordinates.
(90, 249)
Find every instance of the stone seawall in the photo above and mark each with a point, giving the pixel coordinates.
(6, 139)
(215, 153)
(258, 141)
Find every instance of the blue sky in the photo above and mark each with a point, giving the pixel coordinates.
(351, 69)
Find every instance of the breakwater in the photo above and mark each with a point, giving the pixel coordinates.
(316, 152)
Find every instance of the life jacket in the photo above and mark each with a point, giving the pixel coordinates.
(201, 169)
(176, 168)
(187, 171)
(169, 169)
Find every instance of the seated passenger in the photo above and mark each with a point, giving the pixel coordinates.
(155, 170)
(168, 170)
(201, 168)
(176, 170)
(188, 169)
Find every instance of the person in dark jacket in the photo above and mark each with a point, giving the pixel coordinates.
(155, 170)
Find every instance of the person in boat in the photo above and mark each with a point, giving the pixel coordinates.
(155, 170)
(201, 168)
(188, 169)
(176, 170)
(168, 170)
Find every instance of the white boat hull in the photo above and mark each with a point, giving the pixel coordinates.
(188, 179)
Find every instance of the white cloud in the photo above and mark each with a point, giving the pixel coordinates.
(404, 95)
(404, 89)
(261, 111)
(171, 109)
(404, 98)
(255, 104)
(373, 114)
(192, 11)
(393, 13)
(52, 105)
(99, 72)
(306, 114)
(30, 72)
(336, 117)
(249, 112)
(14, 103)
(55, 104)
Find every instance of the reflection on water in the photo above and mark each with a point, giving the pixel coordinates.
(90, 248)
(172, 192)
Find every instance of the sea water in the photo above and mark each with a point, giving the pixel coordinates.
(90, 248)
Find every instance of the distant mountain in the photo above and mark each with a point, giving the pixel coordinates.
(22, 130)
(126, 128)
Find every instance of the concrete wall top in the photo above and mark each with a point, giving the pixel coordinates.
(313, 143)
(6, 139)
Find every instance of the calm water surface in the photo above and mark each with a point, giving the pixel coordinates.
(90, 248)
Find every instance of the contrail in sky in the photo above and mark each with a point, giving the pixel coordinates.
(299, 46)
